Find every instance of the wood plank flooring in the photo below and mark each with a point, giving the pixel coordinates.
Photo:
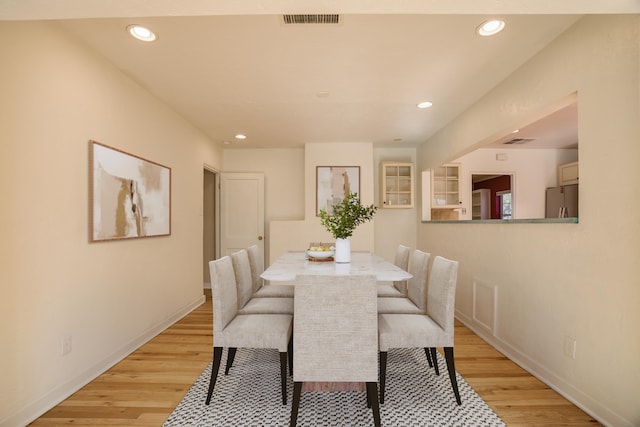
(144, 388)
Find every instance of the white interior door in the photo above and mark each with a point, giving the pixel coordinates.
(241, 211)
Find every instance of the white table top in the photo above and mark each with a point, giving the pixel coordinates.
(293, 263)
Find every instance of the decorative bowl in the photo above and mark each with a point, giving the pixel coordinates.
(320, 254)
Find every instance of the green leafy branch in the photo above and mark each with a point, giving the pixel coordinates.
(347, 215)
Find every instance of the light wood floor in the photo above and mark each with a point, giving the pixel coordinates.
(144, 388)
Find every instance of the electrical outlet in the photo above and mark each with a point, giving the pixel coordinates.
(570, 347)
(65, 345)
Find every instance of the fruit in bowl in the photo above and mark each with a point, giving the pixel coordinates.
(320, 248)
(320, 251)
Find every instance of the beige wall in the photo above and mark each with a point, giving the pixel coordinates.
(296, 234)
(290, 178)
(108, 297)
(394, 226)
(563, 280)
(283, 181)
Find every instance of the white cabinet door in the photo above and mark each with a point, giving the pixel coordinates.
(396, 185)
(445, 184)
(568, 174)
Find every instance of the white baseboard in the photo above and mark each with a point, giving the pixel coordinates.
(33, 410)
(583, 401)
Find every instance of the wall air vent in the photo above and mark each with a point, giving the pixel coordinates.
(519, 141)
(312, 19)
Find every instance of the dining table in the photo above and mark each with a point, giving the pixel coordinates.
(296, 263)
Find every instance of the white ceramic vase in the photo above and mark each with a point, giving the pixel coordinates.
(343, 251)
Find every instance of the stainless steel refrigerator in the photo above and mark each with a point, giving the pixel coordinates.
(562, 202)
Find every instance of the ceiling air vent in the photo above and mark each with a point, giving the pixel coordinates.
(519, 141)
(312, 19)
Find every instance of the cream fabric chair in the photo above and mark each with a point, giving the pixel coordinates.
(336, 338)
(233, 330)
(397, 289)
(431, 330)
(260, 289)
(246, 303)
(416, 300)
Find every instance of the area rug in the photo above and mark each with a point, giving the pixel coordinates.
(250, 396)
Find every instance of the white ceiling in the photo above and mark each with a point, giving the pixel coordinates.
(286, 85)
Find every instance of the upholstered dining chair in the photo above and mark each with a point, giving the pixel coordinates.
(396, 289)
(234, 330)
(416, 300)
(428, 331)
(336, 335)
(247, 304)
(260, 288)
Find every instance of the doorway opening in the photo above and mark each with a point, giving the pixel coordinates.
(499, 193)
(210, 223)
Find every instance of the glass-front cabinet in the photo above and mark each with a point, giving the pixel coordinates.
(445, 186)
(396, 185)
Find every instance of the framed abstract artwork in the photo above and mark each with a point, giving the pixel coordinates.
(130, 197)
(334, 183)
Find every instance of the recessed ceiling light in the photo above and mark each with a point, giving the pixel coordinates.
(515, 131)
(241, 136)
(425, 104)
(490, 28)
(141, 33)
(227, 142)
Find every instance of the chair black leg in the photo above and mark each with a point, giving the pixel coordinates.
(217, 355)
(434, 358)
(383, 374)
(290, 353)
(283, 376)
(297, 389)
(231, 355)
(368, 398)
(448, 354)
(426, 351)
(372, 391)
